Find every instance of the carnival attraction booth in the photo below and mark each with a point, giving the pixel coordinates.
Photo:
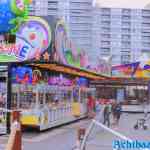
(129, 84)
(49, 97)
(42, 72)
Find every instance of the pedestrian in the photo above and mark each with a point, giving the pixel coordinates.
(91, 106)
(107, 112)
(97, 109)
(117, 113)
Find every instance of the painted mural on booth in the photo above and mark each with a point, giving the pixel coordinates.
(132, 70)
(68, 54)
(33, 34)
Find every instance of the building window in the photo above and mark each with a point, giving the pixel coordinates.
(105, 35)
(126, 23)
(145, 12)
(125, 37)
(106, 11)
(126, 11)
(105, 29)
(126, 30)
(125, 59)
(126, 17)
(105, 42)
(105, 23)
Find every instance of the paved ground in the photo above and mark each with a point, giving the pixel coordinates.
(64, 138)
(102, 140)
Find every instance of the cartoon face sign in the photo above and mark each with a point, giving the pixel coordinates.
(35, 36)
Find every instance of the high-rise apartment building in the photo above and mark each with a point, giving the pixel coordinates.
(77, 15)
(123, 34)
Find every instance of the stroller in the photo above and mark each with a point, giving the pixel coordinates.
(141, 123)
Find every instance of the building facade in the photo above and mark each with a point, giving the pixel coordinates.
(122, 34)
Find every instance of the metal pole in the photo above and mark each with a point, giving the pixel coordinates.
(8, 97)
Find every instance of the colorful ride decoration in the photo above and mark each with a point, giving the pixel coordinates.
(34, 37)
(13, 13)
(67, 52)
(26, 75)
(135, 70)
(33, 34)
(22, 75)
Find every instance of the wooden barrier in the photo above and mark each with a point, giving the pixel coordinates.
(15, 141)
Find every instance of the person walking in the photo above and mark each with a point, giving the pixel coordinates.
(97, 109)
(107, 112)
(118, 111)
(91, 106)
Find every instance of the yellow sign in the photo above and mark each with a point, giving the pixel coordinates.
(76, 111)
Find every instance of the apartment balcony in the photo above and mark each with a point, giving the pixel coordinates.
(80, 21)
(105, 54)
(80, 7)
(146, 27)
(80, 27)
(127, 32)
(105, 44)
(145, 13)
(105, 30)
(103, 19)
(126, 12)
(80, 18)
(145, 40)
(146, 44)
(126, 26)
(146, 19)
(53, 5)
(125, 37)
(81, 36)
(125, 18)
(106, 11)
(81, 1)
(145, 32)
(76, 14)
(105, 38)
(53, 12)
(126, 46)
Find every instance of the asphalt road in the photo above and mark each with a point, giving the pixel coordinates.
(64, 138)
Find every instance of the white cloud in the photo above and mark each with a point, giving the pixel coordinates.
(123, 3)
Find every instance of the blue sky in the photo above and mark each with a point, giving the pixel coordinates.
(124, 3)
